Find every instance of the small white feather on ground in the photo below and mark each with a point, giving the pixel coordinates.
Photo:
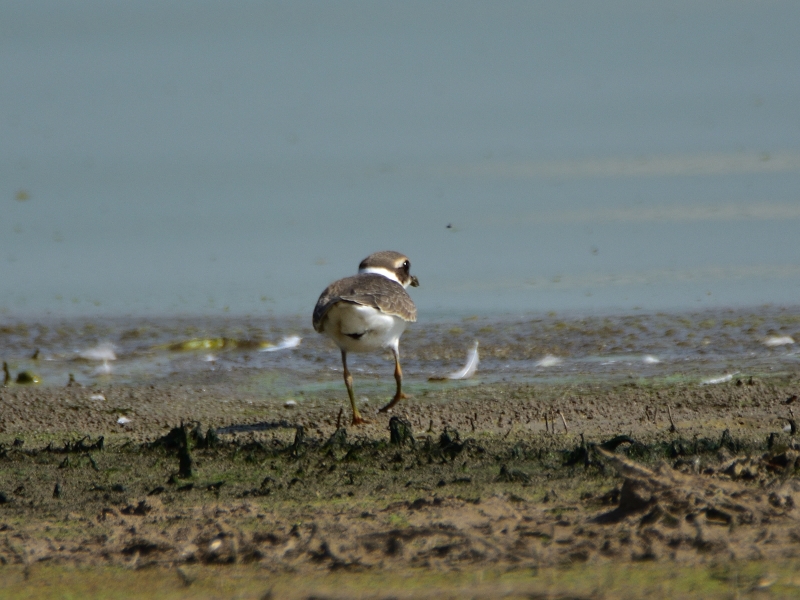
(292, 341)
(716, 380)
(467, 371)
(549, 361)
(102, 352)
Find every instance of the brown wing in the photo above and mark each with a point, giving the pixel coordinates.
(367, 289)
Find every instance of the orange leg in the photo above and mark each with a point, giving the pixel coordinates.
(398, 377)
(348, 381)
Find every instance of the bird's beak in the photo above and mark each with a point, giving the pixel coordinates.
(414, 281)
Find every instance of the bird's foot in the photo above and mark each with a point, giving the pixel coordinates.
(359, 420)
(394, 401)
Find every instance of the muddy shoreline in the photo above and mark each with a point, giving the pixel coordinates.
(500, 475)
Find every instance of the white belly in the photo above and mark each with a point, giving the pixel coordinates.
(377, 330)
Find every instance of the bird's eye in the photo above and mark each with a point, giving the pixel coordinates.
(406, 265)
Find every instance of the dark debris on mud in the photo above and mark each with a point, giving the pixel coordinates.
(409, 499)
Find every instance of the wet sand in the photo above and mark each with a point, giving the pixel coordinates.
(497, 475)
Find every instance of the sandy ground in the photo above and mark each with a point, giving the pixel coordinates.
(501, 475)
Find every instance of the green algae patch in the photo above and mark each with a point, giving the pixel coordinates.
(645, 580)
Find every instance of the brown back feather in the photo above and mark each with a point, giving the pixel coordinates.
(367, 289)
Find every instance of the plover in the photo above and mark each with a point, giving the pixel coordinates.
(368, 312)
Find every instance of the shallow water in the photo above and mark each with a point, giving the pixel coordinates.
(235, 158)
(169, 176)
(687, 347)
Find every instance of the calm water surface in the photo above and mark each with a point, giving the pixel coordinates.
(234, 158)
